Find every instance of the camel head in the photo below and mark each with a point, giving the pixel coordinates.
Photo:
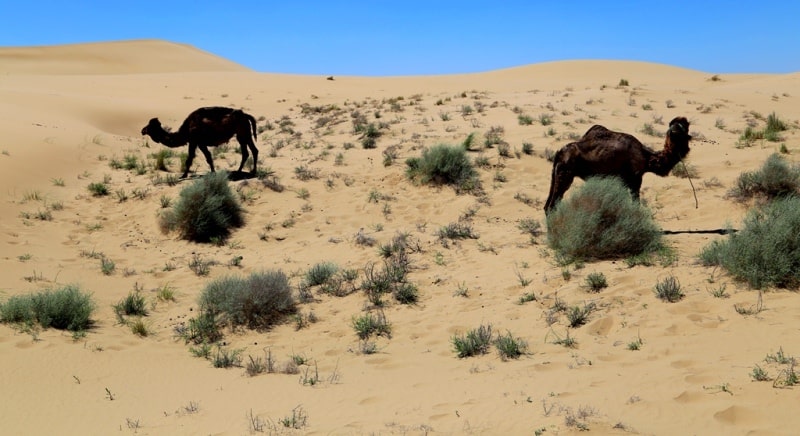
(154, 126)
(679, 130)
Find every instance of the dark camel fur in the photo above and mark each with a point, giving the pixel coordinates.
(209, 127)
(601, 152)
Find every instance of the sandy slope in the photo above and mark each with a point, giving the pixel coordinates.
(66, 112)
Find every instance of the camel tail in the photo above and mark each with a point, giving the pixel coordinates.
(253, 127)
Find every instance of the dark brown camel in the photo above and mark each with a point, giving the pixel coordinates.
(209, 127)
(601, 152)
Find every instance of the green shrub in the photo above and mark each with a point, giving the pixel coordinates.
(510, 347)
(257, 302)
(66, 308)
(444, 165)
(773, 128)
(406, 293)
(207, 209)
(601, 221)
(596, 281)
(133, 304)
(320, 273)
(766, 251)
(98, 189)
(202, 329)
(776, 178)
(476, 341)
(368, 324)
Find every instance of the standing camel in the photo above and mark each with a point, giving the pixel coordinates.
(601, 152)
(209, 127)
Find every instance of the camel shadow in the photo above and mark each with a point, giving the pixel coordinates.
(235, 176)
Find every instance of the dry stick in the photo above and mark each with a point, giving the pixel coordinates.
(688, 176)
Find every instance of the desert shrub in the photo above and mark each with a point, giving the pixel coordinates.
(510, 347)
(368, 324)
(766, 251)
(133, 304)
(578, 316)
(202, 329)
(67, 308)
(320, 273)
(773, 128)
(258, 301)
(776, 178)
(601, 221)
(406, 293)
(669, 289)
(444, 165)
(98, 189)
(206, 210)
(596, 281)
(476, 341)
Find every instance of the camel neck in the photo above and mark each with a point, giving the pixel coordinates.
(663, 161)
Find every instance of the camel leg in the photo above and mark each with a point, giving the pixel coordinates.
(634, 185)
(189, 158)
(207, 154)
(560, 181)
(243, 143)
(255, 156)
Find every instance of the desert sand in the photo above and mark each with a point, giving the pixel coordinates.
(66, 112)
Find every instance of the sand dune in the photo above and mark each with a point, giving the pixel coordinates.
(119, 57)
(67, 112)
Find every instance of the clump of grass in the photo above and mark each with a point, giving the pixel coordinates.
(370, 324)
(201, 330)
(527, 148)
(578, 316)
(66, 308)
(457, 230)
(206, 210)
(107, 266)
(139, 327)
(320, 273)
(369, 136)
(596, 281)
(510, 347)
(444, 165)
(669, 289)
(601, 221)
(134, 304)
(759, 374)
(227, 358)
(776, 178)
(475, 342)
(531, 226)
(524, 120)
(766, 251)
(98, 189)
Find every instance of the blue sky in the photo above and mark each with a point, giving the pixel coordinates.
(380, 38)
